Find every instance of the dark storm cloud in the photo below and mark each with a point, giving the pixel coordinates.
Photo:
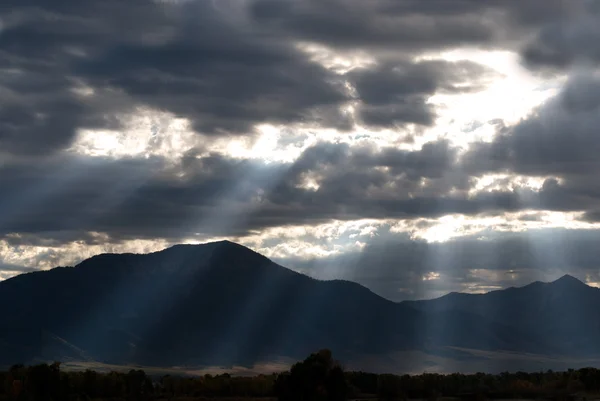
(397, 267)
(220, 78)
(39, 42)
(368, 24)
(228, 66)
(431, 161)
(39, 113)
(409, 25)
(187, 58)
(360, 199)
(563, 43)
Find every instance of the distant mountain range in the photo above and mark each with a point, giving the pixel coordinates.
(221, 304)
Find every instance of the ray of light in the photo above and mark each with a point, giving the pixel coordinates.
(23, 204)
(243, 328)
(114, 193)
(226, 220)
(253, 323)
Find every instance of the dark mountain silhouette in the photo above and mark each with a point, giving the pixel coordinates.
(565, 313)
(223, 304)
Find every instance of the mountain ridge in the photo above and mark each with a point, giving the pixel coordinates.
(221, 303)
(566, 278)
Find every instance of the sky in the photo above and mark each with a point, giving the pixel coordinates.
(417, 147)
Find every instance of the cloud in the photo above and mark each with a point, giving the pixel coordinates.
(68, 197)
(408, 25)
(23, 253)
(397, 93)
(90, 65)
(150, 198)
(63, 199)
(10, 269)
(564, 43)
(139, 197)
(70, 66)
(559, 139)
(40, 108)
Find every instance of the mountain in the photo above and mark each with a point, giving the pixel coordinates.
(220, 304)
(217, 303)
(564, 313)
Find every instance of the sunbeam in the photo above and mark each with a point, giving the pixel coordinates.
(39, 187)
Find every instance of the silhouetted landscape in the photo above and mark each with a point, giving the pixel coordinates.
(318, 377)
(224, 305)
(299, 200)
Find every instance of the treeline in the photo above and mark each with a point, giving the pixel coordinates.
(49, 383)
(319, 377)
(520, 385)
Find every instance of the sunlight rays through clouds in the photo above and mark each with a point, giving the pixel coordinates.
(384, 122)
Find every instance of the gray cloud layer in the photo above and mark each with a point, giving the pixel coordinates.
(410, 25)
(215, 195)
(230, 66)
(563, 43)
(227, 66)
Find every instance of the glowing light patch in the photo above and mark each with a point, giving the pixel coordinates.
(83, 90)
(454, 226)
(46, 256)
(313, 241)
(147, 133)
(340, 62)
(431, 276)
(479, 289)
(506, 182)
(591, 281)
(272, 144)
(511, 96)
(448, 227)
(479, 277)
(310, 182)
(301, 249)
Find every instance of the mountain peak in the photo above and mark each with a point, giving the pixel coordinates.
(230, 249)
(567, 279)
(224, 244)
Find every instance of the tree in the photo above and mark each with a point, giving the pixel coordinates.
(44, 382)
(89, 383)
(138, 385)
(389, 387)
(319, 377)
